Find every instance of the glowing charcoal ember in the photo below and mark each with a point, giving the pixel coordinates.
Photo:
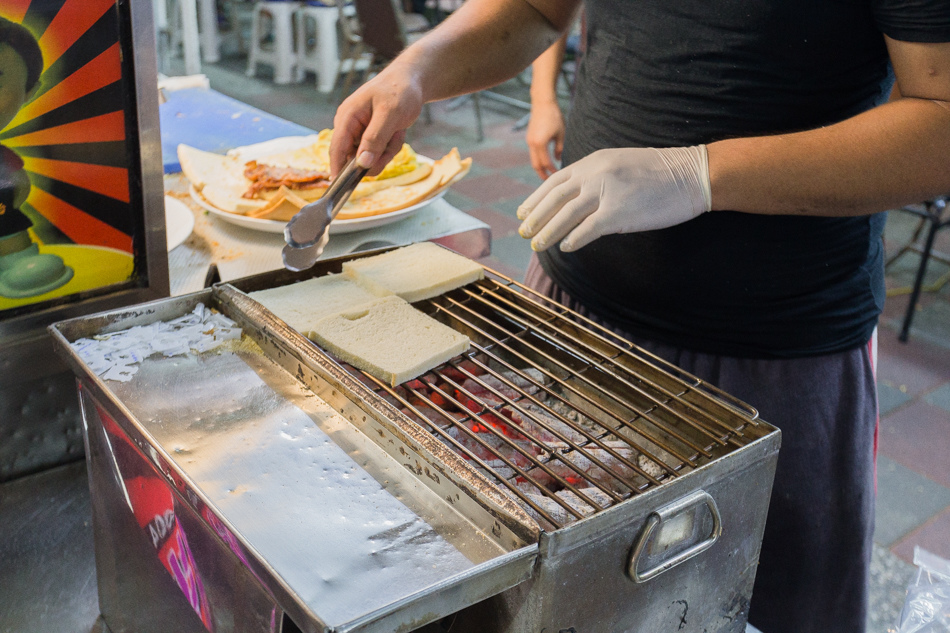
(535, 418)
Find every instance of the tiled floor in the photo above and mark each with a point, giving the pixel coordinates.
(913, 504)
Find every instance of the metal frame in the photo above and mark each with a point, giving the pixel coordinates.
(677, 425)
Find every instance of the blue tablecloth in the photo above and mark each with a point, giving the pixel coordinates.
(211, 121)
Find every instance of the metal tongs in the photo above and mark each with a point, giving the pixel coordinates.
(307, 232)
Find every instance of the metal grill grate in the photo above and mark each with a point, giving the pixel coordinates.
(564, 415)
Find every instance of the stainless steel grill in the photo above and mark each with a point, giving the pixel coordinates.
(307, 495)
(548, 400)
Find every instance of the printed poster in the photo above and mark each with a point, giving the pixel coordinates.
(71, 220)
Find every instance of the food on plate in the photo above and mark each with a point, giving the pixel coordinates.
(389, 339)
(301, 305)
(415, 272)
(267, 178)
(218, 179)
(269, 186)
(285, 205)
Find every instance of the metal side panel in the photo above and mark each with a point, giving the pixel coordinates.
(229, 476)
(583, 581)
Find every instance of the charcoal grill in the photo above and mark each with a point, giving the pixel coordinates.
(590, 485)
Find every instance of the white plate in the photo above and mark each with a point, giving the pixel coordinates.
(179, 222)
(337, 227)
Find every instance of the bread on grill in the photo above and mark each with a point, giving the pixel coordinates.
(301, 305)
(415, 272)
(389, 339)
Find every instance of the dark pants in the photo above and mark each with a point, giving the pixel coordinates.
(816, 553)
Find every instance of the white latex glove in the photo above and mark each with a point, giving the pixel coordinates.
(617, 191)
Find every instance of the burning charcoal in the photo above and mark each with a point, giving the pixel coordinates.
(491, 446)
(557, 512)
(459, 375)
(532, 428)
(580, 471)
(429, 416)
(523, 383)
(471, 367)
(549, 421)
(499, 469)
(481, 392)
(506, 389)
(614, 464)
(575, 416)
(388, 397)
(597, 496)
(650, 467)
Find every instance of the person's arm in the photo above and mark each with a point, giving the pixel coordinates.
(886, 157)
(482, 44)
(883, 158)
(546, 123)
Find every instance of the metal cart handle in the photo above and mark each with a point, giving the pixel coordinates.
(666, 513)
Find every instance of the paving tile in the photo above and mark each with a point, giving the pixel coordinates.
(890, 397)
(905, 501)
(458, 200)
(918, 436)
(477, 169)
(514, 251)
(933, 536)
(503, 157)
(526, 174)
(932, 323)
(492, 188)
(501, 225)
(510, 206)
(887, 589)
(915, 366)
(940, 397)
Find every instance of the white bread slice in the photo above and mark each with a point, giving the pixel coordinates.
(389, 339)
(302, 305)
(415, 272)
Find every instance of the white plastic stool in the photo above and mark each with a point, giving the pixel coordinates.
(281, 54)
(323, 57)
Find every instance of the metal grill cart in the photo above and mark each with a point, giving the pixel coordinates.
(554, 478)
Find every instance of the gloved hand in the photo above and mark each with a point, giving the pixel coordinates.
(617, 191)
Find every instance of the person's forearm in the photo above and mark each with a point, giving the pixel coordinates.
(479, 46)
(545, 71)
(883, 158)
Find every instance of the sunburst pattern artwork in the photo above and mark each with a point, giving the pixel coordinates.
(71, 136)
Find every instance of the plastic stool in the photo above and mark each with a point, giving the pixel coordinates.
(322, 56)
(281, 54)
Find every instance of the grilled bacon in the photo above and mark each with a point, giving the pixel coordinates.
(268, 177)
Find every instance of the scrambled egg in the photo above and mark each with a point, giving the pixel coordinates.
(402, 163)
(316, 157)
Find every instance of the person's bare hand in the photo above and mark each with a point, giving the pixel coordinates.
(545, 128)
(371, 123)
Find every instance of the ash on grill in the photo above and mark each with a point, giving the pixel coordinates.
(528, 408)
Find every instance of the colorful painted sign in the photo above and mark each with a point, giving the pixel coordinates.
(71, 220)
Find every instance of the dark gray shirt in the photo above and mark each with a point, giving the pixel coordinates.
(664, 73)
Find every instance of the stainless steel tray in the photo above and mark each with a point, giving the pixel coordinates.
(351, 519)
